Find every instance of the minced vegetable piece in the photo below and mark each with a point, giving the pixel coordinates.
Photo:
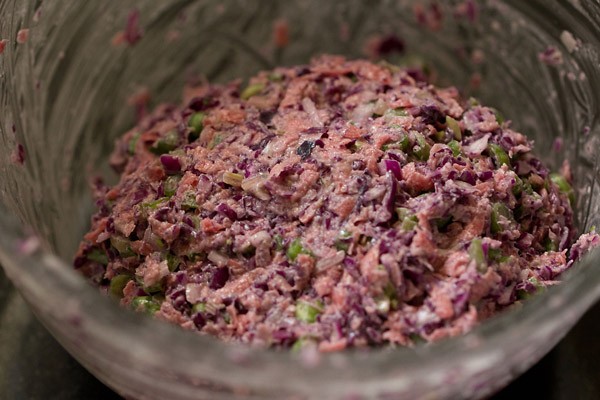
(343, 204)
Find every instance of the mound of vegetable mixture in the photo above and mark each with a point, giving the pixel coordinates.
(336, 204)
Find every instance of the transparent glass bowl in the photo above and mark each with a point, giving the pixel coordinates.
(63, 98)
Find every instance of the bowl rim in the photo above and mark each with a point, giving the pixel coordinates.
(93, 315)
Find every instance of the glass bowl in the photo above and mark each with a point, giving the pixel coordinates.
(67, 76)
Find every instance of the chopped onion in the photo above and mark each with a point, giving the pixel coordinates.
(475, 148)
(232, 179)
(311, 110)
(227, 211)
(256, 186)
(327, 262)
(194, 292)
(218, 258)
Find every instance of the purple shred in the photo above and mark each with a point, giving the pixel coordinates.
(432, 115)
(227, 211)
(171, 164)
(199, 320)
(486, 175)
(133, 32)
(393, 166)
(18, 154)
(219, 278)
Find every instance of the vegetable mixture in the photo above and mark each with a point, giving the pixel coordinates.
(337, 204)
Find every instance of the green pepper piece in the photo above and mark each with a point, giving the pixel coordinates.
(172, 261)
(275, 77)
(307, 312)
(122, 245)
(189, 201)
(278, 239)
(499, 155)
(440, 136)
(196, 123)
(145, 303)
(499, 117)
(117, 284)
(252, 90)
(477, 254)
(166, 144)
(550, 245)
(199, 308)
(455, 147)
(399, 112)
(390, 292)
(98, 256)
(421, 149)
(517, 189)
(154, 289)
(153, 205)
(524, 294)
(564, 186)
(133, 142)
(295, 248)
(404, 143)
(170, 185)
(301, 343)
(408, 220)
(495, 255)
(454, 127)
(499, 209)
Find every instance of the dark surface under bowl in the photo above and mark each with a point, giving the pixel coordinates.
(34, 366)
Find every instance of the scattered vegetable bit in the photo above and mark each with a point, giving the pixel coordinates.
(170, 185)
(196, 123)
(564, 186)
(499, 210)
(252, 90)
(153, 205)
(278, 239)
(117, 284)
(478, 255)
(199, 308)
(233, 179)
(189, 201)
(173, 262)
(453, 125)
(455, 147)
(295, 248)
(343, 240)
(122, 245)
(422, 148)
(399, 112)
(499, 155)
(133, 142)
(499, 117)
(166, 144)
(408, 220)
(98, 256)
(145, 303)
(307, 312)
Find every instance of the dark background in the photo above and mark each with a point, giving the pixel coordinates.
(34, 366)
